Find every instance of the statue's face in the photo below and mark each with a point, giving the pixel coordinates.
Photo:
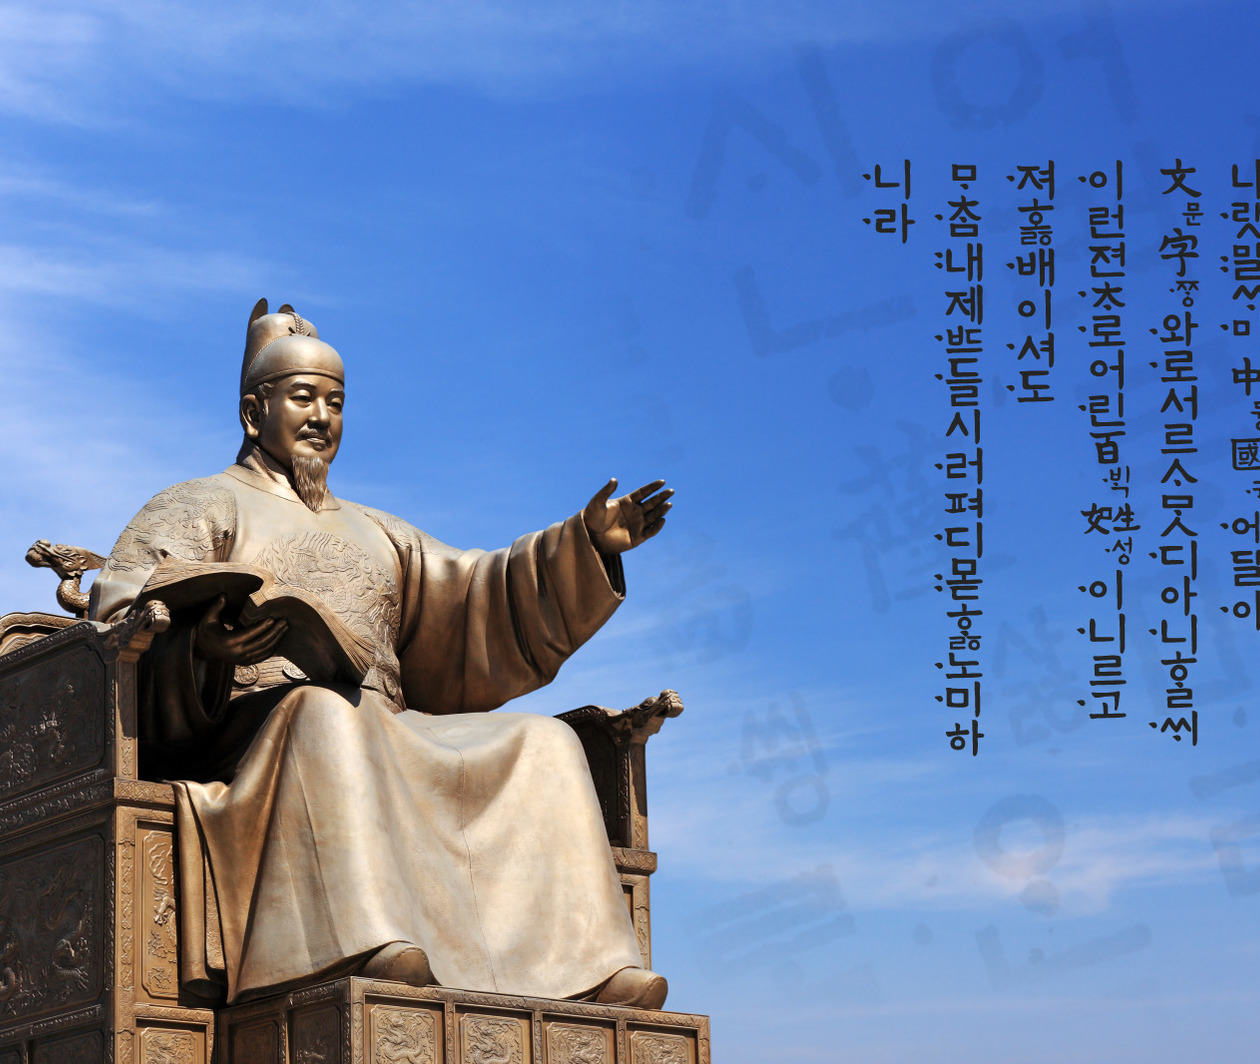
(302, 418)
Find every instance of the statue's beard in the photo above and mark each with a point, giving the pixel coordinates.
(310, 480)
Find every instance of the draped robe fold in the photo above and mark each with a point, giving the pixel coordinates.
(319, 822)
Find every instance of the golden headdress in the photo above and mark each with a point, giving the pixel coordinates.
(281, 344)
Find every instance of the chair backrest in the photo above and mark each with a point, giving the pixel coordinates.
(67, 707)
(18, 629)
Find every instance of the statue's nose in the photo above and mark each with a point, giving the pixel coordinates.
(319, 413)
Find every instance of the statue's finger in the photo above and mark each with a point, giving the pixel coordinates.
(253, 656)
(269, 630)
(639, 494)
(274, 632)
(604, 493)
(262, 647)
(275, 629)
(268, 648)
(215, 608)
(657, 505)
(654, 528)
(657, 514)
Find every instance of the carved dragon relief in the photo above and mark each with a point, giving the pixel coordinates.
(577, 1045)
(608, 736)
(50, 929)
(403, 1036)
(482, 999)
(65, 908)
(641, 721)
(354, 587)
(192, 521)
(51, 720)
(69, 563)
(393, 1032)
(488, 1040)
(132, 634)
(161, 957)
(649, 1048)
(168, 1047)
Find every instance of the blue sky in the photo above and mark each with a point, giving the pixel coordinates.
(556, 242)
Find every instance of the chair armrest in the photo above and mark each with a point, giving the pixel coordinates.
(614, 742)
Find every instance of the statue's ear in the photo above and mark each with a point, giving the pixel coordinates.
(260, 308)
(251, 415)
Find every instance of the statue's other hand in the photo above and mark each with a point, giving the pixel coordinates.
(217, 641)
(617, 525)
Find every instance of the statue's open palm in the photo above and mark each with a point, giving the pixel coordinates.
(618, 525)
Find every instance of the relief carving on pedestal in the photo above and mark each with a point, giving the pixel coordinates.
(159, 964)
(641, 918)
(256, 1044)
(650, 1048)
(317, 1035)
(577, 1045)
(85, 1048)
(122, 886)
(168, 1047)
(488, 1040)
(50, 929)
(52, 720)
(403, 1036)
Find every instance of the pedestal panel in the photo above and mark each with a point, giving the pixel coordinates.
(362, 1021)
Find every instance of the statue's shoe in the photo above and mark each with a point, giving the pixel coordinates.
(636, 987)
(399, 962)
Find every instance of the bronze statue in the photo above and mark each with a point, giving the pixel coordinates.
(378, 822)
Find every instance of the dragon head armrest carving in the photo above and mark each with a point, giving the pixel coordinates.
(69, 563)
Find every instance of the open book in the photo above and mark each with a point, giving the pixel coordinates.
(317, 642)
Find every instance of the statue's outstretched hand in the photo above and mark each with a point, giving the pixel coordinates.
(617, 525)
(237, 646)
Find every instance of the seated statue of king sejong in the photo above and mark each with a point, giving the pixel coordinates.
(390, 827)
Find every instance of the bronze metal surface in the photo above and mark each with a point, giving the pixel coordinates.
(453, 633)
(362, 1021)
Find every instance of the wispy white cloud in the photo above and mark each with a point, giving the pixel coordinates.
(82, 447)
(71, 242)
(122, 272)
(57, 57)
(84, 443)
(19, 185)
(733, 830)
(46, 57)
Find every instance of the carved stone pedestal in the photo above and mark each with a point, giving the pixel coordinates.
(88, 907)
(88, 948)
(362, 1021)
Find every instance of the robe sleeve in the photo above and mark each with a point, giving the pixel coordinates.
(181, 699)
(482, 627)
